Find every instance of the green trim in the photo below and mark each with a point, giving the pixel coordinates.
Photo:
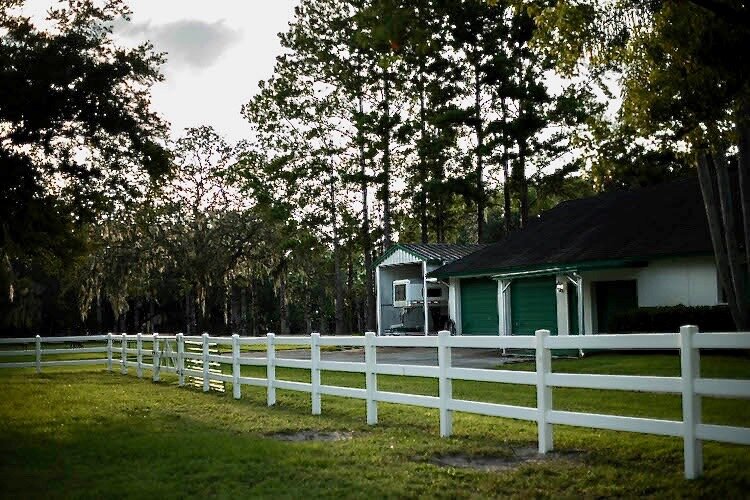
(582, 266)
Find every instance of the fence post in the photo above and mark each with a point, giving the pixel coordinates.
(271, 369)
(315, 372)
(156, 358)
(543, 391)
(139, 355)
(236, 366)
(445, 385)
(180, 360)
(38, 354)
(123, 349)
(109, 351)
(690, 365)
(371, 378)
(206, 380)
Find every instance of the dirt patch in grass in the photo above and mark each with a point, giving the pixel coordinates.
(517, 458)
(312, 436)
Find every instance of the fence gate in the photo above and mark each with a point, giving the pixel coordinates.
(194, 361)
(169, 353)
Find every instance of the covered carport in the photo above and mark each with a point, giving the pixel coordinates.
(409, 263)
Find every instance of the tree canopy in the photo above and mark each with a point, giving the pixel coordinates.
(391, 120)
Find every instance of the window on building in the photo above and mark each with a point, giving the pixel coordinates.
(399, 293)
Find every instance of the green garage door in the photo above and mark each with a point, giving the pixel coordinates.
(479, 307)
(533, 305)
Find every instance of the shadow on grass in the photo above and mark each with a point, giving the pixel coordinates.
(87, 433)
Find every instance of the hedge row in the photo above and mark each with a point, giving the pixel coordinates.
(670, 319)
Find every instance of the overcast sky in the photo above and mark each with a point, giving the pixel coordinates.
(217, 51)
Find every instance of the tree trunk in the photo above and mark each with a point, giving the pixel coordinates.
(440, 229)
(251, 311)
(422, 159)
(308, 320)
(387, 237)
(743, 173)
(99, 325)
(340, 327)
(226, 308)
(188, 324)
(234, 294)
(506, 177)
(350, 289)
(193, 314)
(728, 205)
(243, 311)
(479, 152)
(137, 316)
(366, 238)
(283, 308)
(720, 235)
(440, 209)
(522, 183)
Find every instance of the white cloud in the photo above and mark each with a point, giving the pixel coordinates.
(188, 42)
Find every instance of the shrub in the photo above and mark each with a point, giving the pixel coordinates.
(670, 319)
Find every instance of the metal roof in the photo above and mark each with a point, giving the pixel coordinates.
(431, 252)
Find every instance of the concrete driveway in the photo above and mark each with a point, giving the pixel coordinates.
(424, 356)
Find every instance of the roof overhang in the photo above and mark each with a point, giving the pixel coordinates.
(529, 274)
(549, 269)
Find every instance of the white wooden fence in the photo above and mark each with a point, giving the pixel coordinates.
(690, 385)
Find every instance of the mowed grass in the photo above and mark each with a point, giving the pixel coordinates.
(83, 432)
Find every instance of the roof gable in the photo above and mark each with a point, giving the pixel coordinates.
(431, 252)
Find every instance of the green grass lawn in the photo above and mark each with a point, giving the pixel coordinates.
(83, 432)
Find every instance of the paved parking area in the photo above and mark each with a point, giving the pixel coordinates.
(424, 356)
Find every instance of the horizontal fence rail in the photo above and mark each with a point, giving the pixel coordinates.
(168, 353)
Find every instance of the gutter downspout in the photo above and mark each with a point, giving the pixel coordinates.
(424, 296)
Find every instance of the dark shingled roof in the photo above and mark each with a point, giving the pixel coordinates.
(433, 252)
(662, 220)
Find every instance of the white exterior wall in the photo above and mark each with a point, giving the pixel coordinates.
(690, 282)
